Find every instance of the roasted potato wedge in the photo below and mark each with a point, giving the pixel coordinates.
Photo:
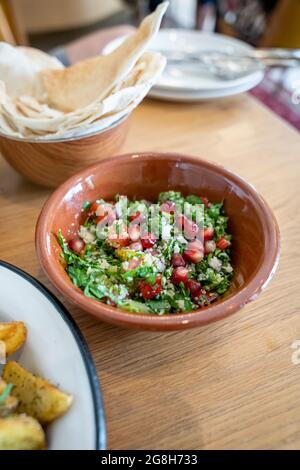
(8, 404)
(21, 432)
(3, 385)
(37, 397)
(13, 334)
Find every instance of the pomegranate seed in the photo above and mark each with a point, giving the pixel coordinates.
(208, 233)
(148, 241)
(169, 207)
(136, 246)
(179, 275)
(209, 246)
(77, 245)
(205, 201)
(177, 261)
(134, 232)
(194, 287)
(222, 244)
(148, 291)
(193, 256)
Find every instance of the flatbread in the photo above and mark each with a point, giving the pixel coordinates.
(106, 88)
(19, 68)
(92, 80)
(34, 119)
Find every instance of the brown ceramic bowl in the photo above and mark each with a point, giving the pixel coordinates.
(51, 162)
(255, 248)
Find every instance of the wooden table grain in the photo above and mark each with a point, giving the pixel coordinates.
(232, 384)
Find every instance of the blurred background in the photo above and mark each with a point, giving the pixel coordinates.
(77, 28)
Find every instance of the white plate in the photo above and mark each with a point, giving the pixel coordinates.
(178, 95)
(56, 350)
(189, 83)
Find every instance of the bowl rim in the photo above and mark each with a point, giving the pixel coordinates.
(258, 281)
(48, 140)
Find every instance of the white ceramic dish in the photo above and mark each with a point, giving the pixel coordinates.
(192, 84)
(56, 350)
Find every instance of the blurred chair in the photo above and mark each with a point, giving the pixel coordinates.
(12, 28)
(284, 26)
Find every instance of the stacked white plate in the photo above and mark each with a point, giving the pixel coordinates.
(182, 82)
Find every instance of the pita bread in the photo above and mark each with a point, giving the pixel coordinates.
(33, 119)
(80, 85)
(19, 68)
(106, 94)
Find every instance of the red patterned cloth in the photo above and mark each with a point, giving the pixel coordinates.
(276, 96)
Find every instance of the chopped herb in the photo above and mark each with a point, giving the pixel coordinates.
(5, 394)
(141, 275)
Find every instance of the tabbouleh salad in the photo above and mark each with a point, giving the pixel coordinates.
(179, 264)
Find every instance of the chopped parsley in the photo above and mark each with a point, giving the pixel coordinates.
(154, 258)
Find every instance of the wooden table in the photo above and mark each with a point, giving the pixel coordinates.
(228, 385)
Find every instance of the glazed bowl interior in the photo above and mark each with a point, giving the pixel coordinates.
(255, 246)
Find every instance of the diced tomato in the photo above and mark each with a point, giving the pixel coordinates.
(194, 287)
(150, 291)
(134, 216)
(195, 245)
(169, 207)
(208, 233)
(119, 242)
(209, 246)
(193, 256)
(148, 241)
(205, 201)
(190, 229)
(177, 260)
(93, 208)
(222, 244)
(77, 245)
(137, 218)
(118, 239)
(179, 275)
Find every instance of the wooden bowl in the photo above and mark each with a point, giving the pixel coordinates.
(255, 245)
(51, 162)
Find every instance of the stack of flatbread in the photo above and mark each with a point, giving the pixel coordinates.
(40, 98)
